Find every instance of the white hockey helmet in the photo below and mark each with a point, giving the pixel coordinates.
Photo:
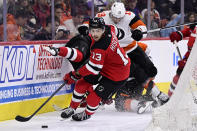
(118, 9)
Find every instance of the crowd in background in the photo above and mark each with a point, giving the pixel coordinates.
(31, 19)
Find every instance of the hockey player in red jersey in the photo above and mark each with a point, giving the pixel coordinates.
(108, 66)
(190, 32)
(142, 68)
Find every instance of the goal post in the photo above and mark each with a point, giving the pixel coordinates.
(180, 112)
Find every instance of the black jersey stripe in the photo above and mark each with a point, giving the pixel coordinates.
(135, 19)
(94, 67)
(92, 109)
(71, 54)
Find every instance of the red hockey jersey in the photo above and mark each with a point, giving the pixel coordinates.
(192, 34)
(107, 58)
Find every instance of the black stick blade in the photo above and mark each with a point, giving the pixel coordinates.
(22, 119)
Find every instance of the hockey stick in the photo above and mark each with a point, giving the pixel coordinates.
(57, 108)
(158, 29)
(177, 48)
(24, 119)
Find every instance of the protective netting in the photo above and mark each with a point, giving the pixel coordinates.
(180, 113)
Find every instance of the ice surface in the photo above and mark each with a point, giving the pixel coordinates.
(103, 120)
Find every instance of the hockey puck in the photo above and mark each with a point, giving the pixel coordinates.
(44, 126)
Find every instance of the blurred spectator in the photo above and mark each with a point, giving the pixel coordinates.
(27, 31)
(191, 17)
(65, 20)
(62, 33)
(42, 11)
(190, 6)
(65, 6)
(100, 4)
(175, 19)
(78, 20)
(80, 11)
(131, 6)
(10, 8)
(153, 24)
(1, 12)
(163, 23)
(78, 7)
(154, 11)
(164, 8)
(46, 32)
(14, 25)
(141, 4)
(22, 5)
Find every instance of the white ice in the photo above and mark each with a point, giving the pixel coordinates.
(103, 120)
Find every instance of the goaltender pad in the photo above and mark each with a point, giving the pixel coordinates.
(180, 112)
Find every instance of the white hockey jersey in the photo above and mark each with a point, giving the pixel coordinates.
(128, 22)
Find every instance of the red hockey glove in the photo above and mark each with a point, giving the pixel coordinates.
(176, 36)
(71, 77)
(182, 63)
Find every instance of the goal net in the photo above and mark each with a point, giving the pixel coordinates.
(180, 112)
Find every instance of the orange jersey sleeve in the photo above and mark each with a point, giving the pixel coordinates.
(142, 45)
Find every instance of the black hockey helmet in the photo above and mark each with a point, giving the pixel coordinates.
(97, 22)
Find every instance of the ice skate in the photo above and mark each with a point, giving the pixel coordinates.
(160, 100)
(68, 112)
(81, 116)
(143, 106)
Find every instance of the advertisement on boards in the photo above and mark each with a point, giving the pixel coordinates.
(29, 72)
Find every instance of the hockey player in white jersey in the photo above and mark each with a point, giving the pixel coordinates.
(130, 29)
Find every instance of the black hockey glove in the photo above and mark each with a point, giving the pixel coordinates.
(83, 30)
(137, 35)
(52, 50)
